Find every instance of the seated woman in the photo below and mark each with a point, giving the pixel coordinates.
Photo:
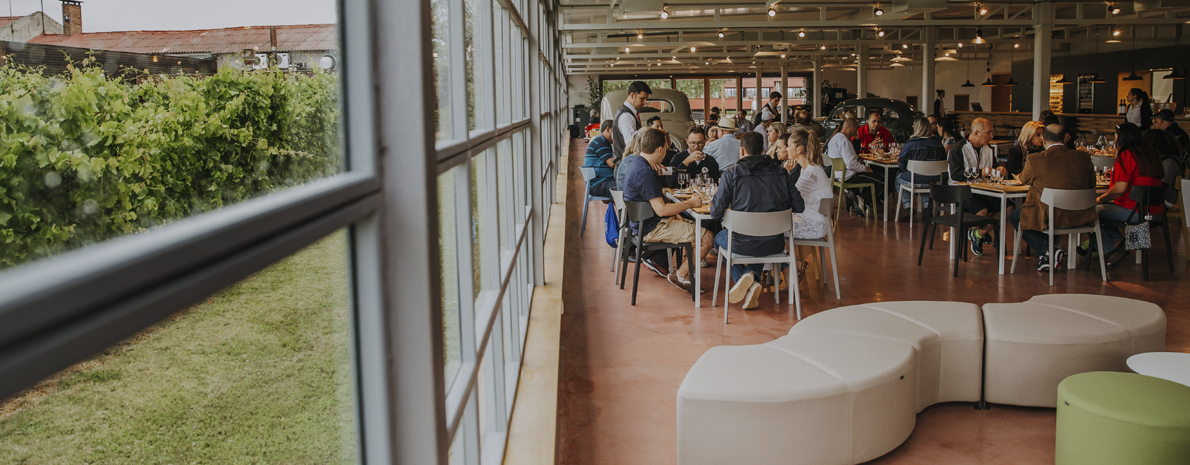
(1138, 164)
(922, 146)
(805, 151)
(1028, 143)
(776, 138)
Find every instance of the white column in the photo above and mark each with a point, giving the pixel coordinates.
(1041, 58)
(816, 86)
(861, 71)
(784, 94)
(928, 94)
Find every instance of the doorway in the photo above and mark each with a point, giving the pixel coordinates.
(962, 102)
(1001, 94)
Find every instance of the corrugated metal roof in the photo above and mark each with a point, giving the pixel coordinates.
(311, 37)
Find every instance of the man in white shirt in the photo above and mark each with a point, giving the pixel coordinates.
(725, 150)
(766, 120)
(627, 117)
(840, 146)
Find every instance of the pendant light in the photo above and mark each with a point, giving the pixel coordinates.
(1065, 76)
(1132, 74)
(968, 83)
(989, 83)
(1174, 75)
(1011, 81)
(1095, 79)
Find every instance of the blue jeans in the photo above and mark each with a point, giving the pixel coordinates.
(907, 200)
(736, 271)
(1038, 241)
(1111, 211)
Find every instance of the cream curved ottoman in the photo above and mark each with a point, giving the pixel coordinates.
(1032, 346)
(947, 336)
(810, 399)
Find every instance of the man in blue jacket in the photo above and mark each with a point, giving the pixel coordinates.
(754, 184)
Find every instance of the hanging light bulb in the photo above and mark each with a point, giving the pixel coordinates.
(989, 83)
(983, 10)
(772, 12)
(878, 11)
(824, 47)
(782, 55)
(960, 45)
(1115, 10)
(1115, 37)
(979, 36)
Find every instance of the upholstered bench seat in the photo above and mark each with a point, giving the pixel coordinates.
(947, 336)
(809, 399)
(1032, 346)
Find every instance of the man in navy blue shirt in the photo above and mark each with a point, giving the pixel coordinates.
(642, 184)
(599, 156)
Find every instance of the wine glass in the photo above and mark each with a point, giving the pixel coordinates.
(970, 173)
(683, 180)
(997, 176)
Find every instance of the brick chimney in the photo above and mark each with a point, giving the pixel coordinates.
(72, 17)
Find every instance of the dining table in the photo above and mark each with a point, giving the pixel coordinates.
(699, 215)
(884, 160)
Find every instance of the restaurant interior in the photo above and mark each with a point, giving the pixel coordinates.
(646, 376)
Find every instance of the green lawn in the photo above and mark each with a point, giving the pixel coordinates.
(260, 373)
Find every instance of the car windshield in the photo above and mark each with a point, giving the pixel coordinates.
(852, 111)
(658, 106)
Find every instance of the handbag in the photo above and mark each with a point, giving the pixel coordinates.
(1136, 236)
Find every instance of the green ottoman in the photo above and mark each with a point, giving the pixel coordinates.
(1122, 418)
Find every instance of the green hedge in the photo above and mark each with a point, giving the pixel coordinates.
(86, 157)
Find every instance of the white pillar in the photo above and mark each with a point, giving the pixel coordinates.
(1041, 58)
(816, 86)
(861, 71)
(928, 94)
(784, 94)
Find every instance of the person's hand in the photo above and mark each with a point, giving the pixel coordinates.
(693, 158)
(789, 164)
(695, 202)
(659, 169)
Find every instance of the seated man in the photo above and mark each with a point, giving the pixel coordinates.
(599, 156)
(693, 161)
(873, 131)
(642, 184)
(655, 123)
(975, 152)
(1057, 167)
(755, 184)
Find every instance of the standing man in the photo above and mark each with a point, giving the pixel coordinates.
(628, 118)
(599, 156)
(1057, 167)
(940, 104)
(725, 150)
(769, 109)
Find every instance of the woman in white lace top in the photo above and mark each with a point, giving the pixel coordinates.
(805, 149)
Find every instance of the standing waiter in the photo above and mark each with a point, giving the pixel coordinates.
(628, 118)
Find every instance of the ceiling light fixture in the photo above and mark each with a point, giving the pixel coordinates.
(772, 12)
(801, 33)
(968, 83)
(905, 46)
(664, 11)
(1115, 10)
(878, 11)
(989, 83)
(983, 10)
(693, 49)
(782, 55)
(640, 35)
(880, 33)
(1011, 81)
(960, 45)
(720, 34)
(979, 36)
(824, 47)
(626, 49)
(1174, 75)
(1115, 37)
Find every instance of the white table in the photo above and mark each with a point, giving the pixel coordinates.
(697, 271)
(888, 167)
(1011, 192)
(1172, 366)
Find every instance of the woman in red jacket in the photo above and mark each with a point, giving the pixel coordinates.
(1138, 164)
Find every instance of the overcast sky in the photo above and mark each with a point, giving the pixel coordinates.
(150, 15)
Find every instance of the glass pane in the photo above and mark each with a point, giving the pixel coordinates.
(479, 224)
(258, 373)
(503, 196)
(723, 95)
(468, 33)
(117, 142)
(695, 90)
(501, 54)
(440, 17)
(448, 254)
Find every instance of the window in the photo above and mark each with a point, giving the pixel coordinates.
(658, 106)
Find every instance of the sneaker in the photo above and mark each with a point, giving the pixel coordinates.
(988, 240)
(678, 282)
(975, 241)
(752, 300)
(860, 208)
(741, 288)
(703, 264)
(657, 268)
(1059, 259)
(1043, 262)
(1083, 248)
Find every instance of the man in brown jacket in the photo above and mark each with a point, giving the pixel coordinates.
(1058, 167)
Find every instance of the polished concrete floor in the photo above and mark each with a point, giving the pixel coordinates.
(620, 365)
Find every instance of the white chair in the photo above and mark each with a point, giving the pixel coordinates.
(760, 225)
(1071, 200)
(827, 242)
(618, 201)
(918, 168)
(1103, 162)
(588, 175)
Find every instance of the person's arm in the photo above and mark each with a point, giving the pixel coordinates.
(1026, 175)
(886, 135)
(795, 196)
(1016, 161)
(663, 209)
(956, 163)
(722, 199)
(626, 127)
(852, 160)
(1118, 189)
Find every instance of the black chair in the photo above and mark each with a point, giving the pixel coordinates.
(637, 213)
(1151, 196)
(941, 194)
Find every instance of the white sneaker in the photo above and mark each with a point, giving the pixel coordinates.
(752, 300)
(741, 288)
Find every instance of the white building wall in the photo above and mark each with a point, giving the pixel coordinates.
(29, 27)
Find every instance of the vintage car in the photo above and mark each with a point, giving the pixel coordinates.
(671, 105)
(897, 115)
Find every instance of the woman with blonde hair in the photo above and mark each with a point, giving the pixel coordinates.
(804, 152)
(776, 138)
(1028, 143)
(630, 151)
